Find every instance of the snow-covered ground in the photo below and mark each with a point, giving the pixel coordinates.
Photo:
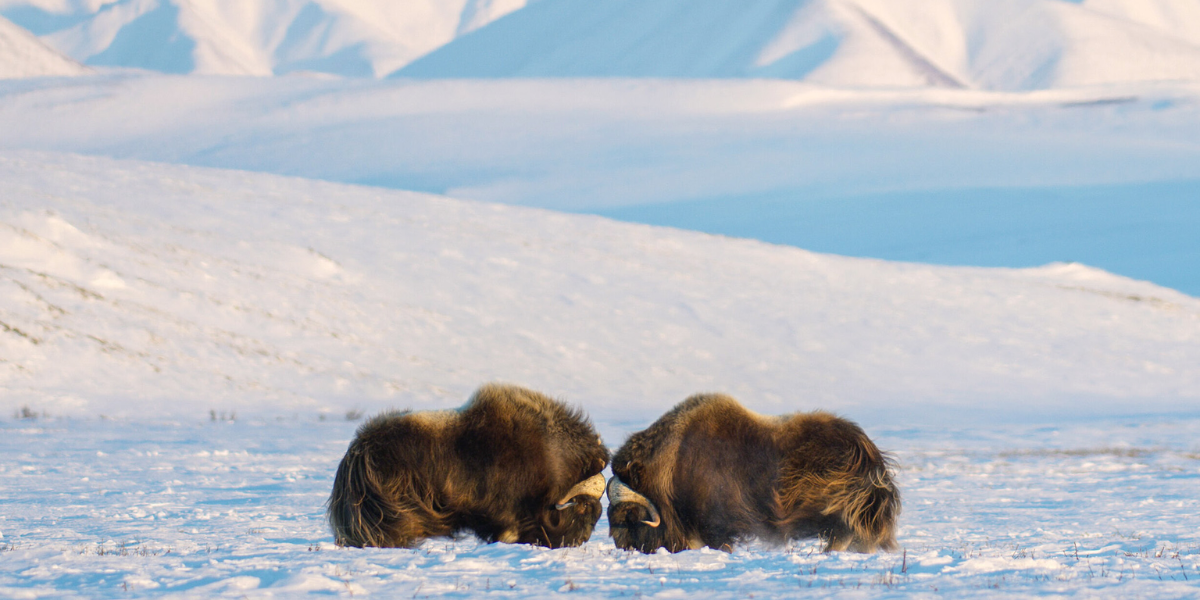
(181, 347)
(197, 508)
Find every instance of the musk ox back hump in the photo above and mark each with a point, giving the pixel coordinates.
(500, 467)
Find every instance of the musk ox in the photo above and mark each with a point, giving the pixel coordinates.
(511, 465)
(711, 473)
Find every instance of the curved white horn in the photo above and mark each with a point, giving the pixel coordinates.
(592, 486)
(618, 493)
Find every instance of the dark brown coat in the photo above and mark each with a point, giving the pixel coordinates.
(711, 473)
(511, 465)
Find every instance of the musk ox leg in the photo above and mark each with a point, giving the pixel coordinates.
(871, 511)
(378, 499)
(361, 511)
(718, 534)
(865, 516)
(834, 479)
(838, 539)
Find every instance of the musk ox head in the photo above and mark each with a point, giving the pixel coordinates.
(633, 519)
(573, 517)
(711, 473)
(511, 465)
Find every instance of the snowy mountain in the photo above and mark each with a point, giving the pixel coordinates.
(253, 37)
(987, 44)
(134, 289)
(1010, 45)
(23, 55)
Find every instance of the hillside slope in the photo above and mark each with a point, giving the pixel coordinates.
(133, 288)
(1101, 176)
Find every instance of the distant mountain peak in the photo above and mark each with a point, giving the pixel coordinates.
(1010, 45)
(23, 55)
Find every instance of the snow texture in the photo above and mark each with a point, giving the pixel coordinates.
(233, 509)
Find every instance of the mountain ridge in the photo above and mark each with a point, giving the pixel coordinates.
(23, 55)
(353, 38)
(1017, 45)
(1013, 46)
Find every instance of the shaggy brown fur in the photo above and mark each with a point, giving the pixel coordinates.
(718, 474)
(496, 467)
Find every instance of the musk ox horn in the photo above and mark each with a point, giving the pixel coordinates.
(592, 486)
(619, 493)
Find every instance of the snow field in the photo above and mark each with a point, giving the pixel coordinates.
(1043, 418)
(140, 289)
(151, 508)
